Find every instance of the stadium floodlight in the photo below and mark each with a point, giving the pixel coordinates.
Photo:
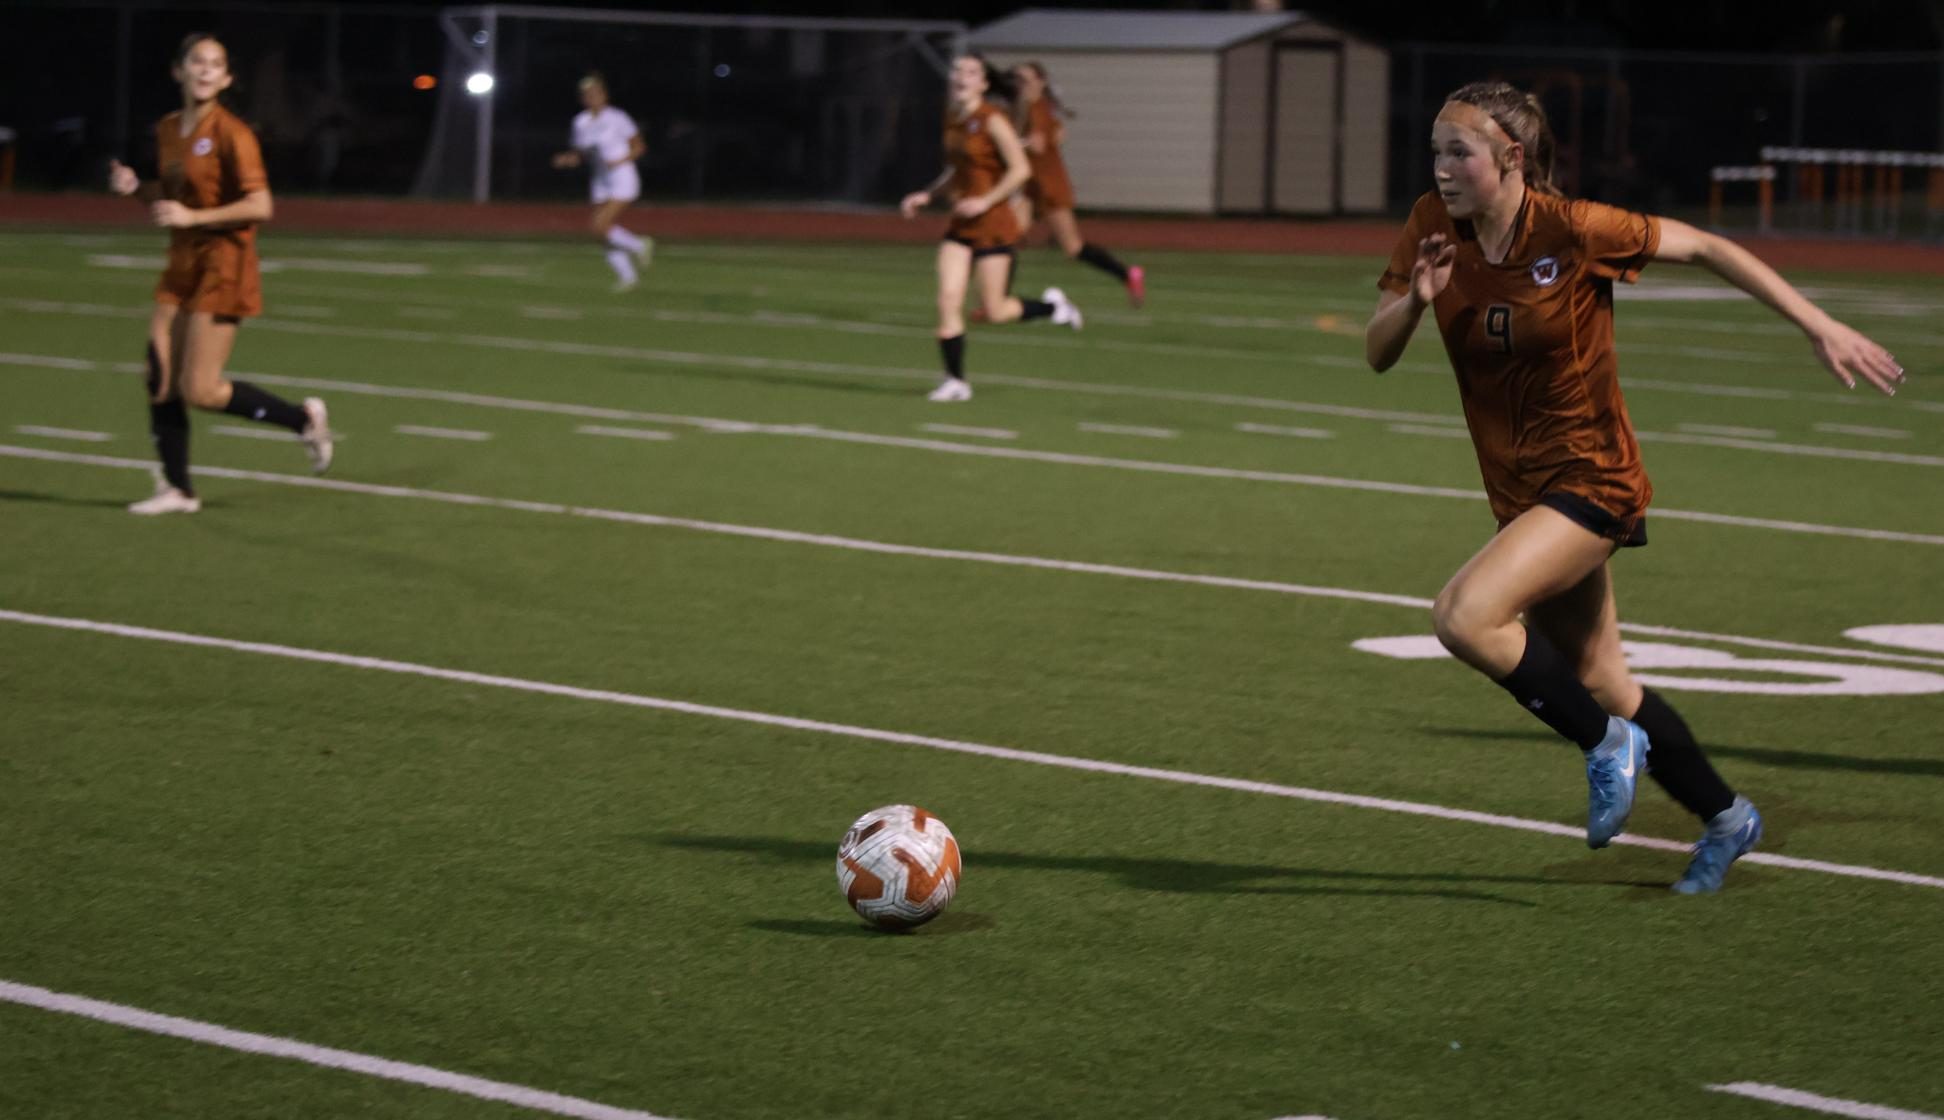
(479, 83)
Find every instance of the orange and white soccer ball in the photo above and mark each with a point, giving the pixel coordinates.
(898, 867)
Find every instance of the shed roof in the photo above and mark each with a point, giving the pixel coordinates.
(1044, 29)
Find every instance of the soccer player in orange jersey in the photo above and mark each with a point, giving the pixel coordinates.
(1520, 280)
(211, 193)
(1049, 192)
(984, 166)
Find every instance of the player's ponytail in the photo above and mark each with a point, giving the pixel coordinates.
(1524, 120)
(1001, 85)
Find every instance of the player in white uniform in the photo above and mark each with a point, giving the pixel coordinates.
(608, 143)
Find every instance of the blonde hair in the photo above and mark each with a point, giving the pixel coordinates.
(1524, 120)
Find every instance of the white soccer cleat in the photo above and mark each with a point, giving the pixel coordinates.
(318, 442)
(1064, 313)
(167, 499)
(951, 389)
(623, 287)
(646, 254)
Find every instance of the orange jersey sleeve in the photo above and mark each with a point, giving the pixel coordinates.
(1617, 243)
(242, 158)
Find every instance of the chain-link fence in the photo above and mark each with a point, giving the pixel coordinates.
(1644, 129)
(729, 107)
(327, 87)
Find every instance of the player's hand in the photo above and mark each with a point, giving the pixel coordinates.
(914, 202)
(172, 215)
(564, 160)
(1847, 354)
(971, 207)
(1432, 269)
(122, 178)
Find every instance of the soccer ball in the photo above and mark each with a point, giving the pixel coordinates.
(898, 867)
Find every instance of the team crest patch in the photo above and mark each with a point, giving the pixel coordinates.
(202, 147)
(1545, 271)
(972, 125)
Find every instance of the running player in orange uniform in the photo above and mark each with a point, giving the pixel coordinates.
(1050, 191)
(984, 166)
(1520, 280)
(211, 194)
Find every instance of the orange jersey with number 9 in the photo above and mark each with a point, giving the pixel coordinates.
(1531, 341)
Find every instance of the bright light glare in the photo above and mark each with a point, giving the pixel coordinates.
(479, 84)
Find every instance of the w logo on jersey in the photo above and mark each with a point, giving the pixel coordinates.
(1545, 271)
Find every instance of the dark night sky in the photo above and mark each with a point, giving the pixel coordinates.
(1737, 25)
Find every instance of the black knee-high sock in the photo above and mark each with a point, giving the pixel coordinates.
(1548, 688)
(248, 401)
(169, 426)
(1034, 309)
(1104, 261)
(1676, 762)
(953, 351)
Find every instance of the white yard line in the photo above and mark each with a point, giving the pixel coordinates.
(244, 431)
(1727, 430)
(961, 430)
(1278, 430)
(887, 548)
(1863, 430)
(1831, 1106)
(211, 1034)
(1812, 450)
(957, 746)
(570, 314)
(623, 433)
(812, 431)
(466, 434)
(1429, 430)
(1128, 430)
(63, 433)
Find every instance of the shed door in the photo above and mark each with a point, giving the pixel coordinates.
(1303, 170)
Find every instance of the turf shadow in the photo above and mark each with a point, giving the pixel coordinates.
(950, 924)
(1761, 756)
(61, 500)
(1178, 875)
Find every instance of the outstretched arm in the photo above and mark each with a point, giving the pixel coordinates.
(1842, 349)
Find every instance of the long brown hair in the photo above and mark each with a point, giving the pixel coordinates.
(1524, 120)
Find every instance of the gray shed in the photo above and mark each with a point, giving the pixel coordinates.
(1211, 112)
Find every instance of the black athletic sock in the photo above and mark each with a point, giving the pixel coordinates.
(169, 424)
(1104, 261)
(248, 401)
(1676, 762)
(1548, 688)
(953, 351)
(1034, 309)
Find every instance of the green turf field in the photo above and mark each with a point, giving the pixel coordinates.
(1155, 554)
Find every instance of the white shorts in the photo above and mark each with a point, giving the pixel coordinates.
(619, 184)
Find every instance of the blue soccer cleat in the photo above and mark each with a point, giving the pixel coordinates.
(1612, 771)
(1727, 838)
